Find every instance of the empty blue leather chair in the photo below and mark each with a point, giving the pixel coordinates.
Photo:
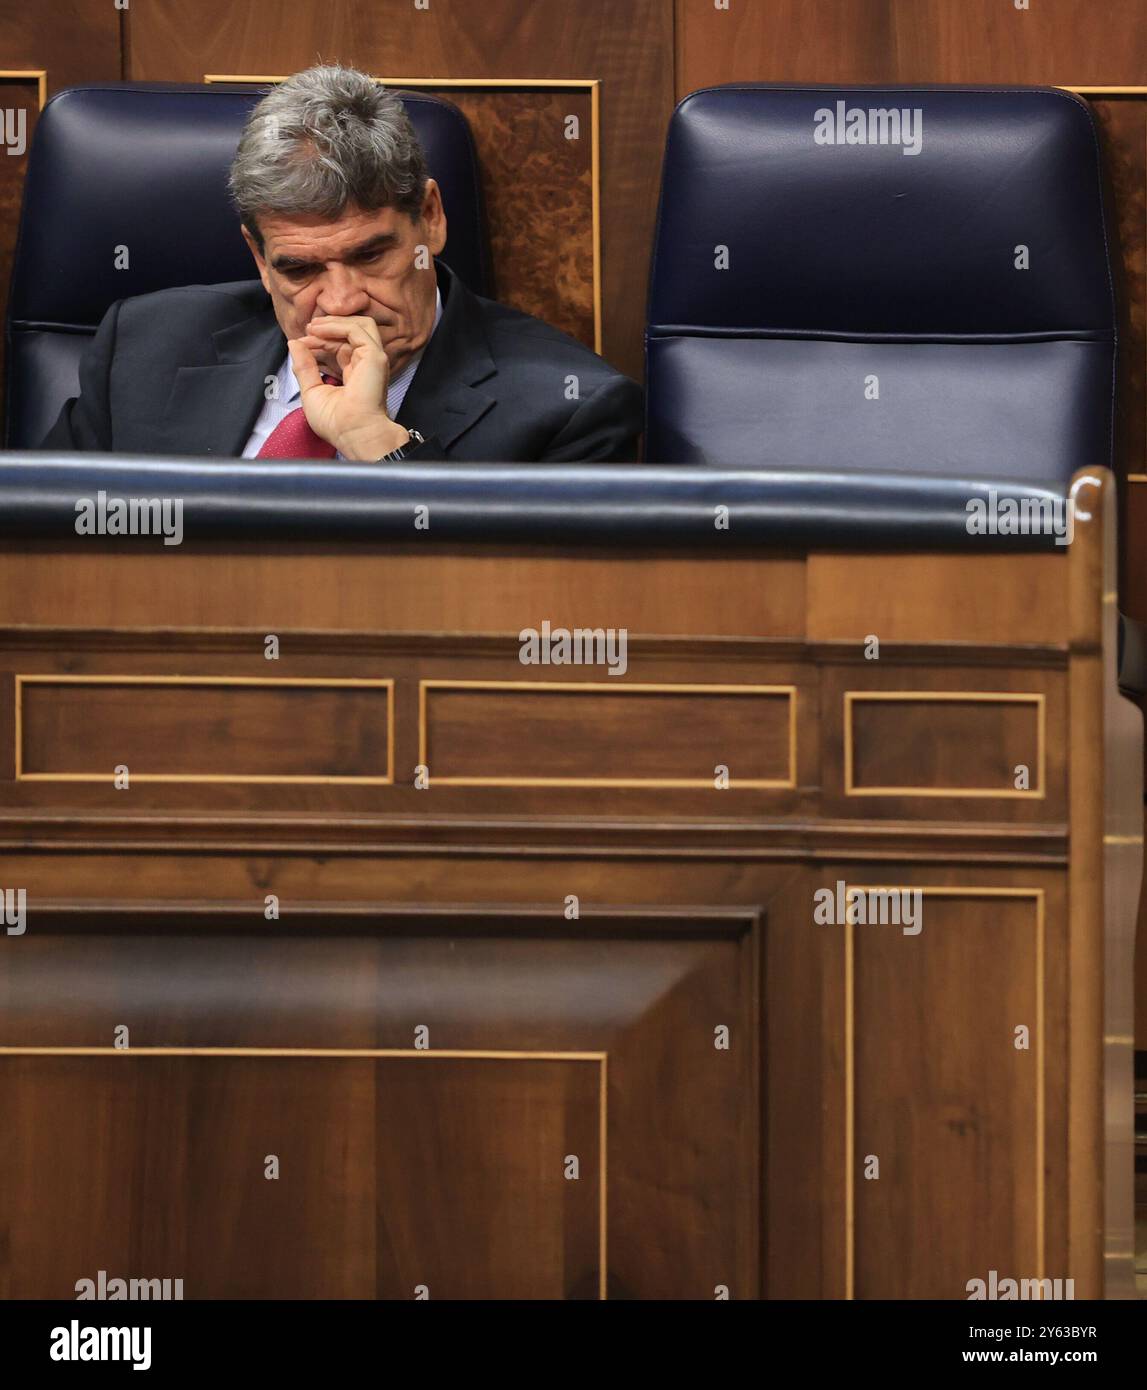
(875, 312)
(144, 166)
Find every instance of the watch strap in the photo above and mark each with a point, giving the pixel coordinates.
(397, 455)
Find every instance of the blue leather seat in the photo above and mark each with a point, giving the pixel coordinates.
(143, 166)
(873, 315)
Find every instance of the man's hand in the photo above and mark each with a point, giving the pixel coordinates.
(352, 416)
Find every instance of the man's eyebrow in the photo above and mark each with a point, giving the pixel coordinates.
(374, 243)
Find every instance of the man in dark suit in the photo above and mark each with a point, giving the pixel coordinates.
(354, 342)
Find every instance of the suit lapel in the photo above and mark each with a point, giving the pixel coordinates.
(443, 401)
(212, 410)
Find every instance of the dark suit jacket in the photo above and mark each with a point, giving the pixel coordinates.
(182, 371)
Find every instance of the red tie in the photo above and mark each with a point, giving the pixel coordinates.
(293, 438)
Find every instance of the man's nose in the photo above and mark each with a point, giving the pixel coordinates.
(341, 293)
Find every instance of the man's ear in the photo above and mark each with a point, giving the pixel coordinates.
(433, 218)
(264, 275)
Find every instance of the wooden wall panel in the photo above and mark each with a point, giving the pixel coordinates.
(973, 1107)
(445, 1166)
(598, 734)
(196, 729)
(850, 598)
(394, 1172)
(964, 744)
(627, 47)
(538, 189)
(904, 741)
(1063, 42)
(407, 588)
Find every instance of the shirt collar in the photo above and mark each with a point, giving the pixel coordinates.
(289, 386)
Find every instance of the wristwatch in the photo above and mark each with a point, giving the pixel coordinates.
(397, 455)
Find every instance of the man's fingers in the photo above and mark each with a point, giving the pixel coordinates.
(306, 369)
(321, 349)
(364, 321)
(359, 331)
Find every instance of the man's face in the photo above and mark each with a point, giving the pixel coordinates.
(361, 263)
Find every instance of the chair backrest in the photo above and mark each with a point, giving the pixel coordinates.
(143, 167)
(906, 278)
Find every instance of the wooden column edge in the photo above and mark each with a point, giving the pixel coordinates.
(1091, 491)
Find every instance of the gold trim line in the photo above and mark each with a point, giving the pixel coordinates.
(41, 76)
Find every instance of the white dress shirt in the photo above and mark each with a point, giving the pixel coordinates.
(286, 398)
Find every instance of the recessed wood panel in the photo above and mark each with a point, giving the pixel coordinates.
(543, 1034)
(447, 1172)
(518, 733)
(965, 741)
(226, 729)
(541, 201)
(937, 743)
(943, 1106)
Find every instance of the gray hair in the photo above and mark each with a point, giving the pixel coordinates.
(325, 138)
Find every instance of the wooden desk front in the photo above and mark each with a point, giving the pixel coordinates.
(561, 1022)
